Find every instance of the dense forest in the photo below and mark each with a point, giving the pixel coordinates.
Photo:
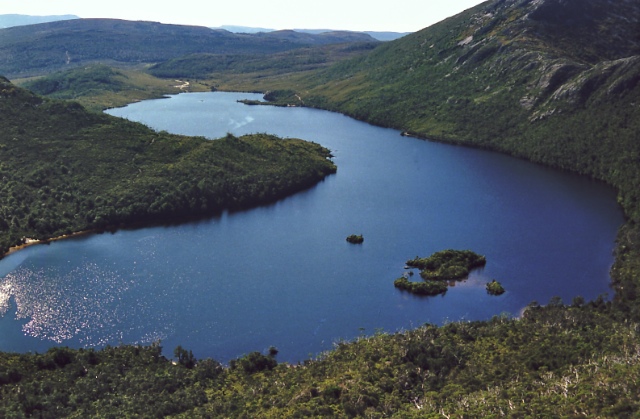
(555, 82)
(66, 170)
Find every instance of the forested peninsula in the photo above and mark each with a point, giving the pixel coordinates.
(66, 170)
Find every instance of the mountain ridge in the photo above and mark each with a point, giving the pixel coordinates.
(46, 47)
(11, 20)
(379, 35)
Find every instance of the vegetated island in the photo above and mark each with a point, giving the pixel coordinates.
(438, 269)
(355, 239)
(495, 288)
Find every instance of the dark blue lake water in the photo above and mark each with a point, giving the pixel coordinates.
(283, 274)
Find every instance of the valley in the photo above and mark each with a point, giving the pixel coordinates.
(553, 82)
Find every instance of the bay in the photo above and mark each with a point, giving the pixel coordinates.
(283, 275)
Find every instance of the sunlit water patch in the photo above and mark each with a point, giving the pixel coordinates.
(88, 304)
(62, 305)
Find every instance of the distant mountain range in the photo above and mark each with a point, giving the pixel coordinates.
(380, 36)
(11, 20)
(47, 47)
(8, 21)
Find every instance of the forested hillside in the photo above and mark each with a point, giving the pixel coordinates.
(98, 87)
(206, 66)
(66, 170)
(43, 48)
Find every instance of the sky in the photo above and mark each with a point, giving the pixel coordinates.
(356, 15)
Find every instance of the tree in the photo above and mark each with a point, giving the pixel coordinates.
(185, 358)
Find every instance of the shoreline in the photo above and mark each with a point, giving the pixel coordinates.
(32, 242)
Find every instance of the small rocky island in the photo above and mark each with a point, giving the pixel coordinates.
(355, 239)
(439, 269)
(495, 288)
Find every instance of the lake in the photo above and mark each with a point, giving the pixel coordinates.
(283, 275)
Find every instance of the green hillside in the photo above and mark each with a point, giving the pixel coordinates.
(207, 66)
(98, 87)
(40, 49)
(66, 170)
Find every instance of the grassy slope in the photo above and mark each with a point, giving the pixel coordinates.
(65, 169)
(98, 87)
(247, 67)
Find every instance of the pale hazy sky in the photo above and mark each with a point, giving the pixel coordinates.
(357, 15)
